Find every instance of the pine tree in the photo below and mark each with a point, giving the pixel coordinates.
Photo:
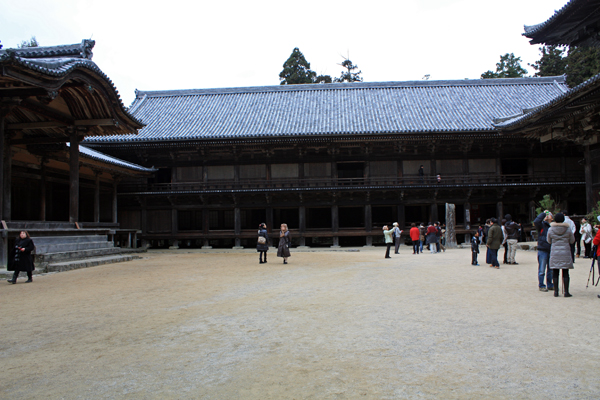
(508, 67)
(349, 75)
(552, 63)
(296, 70)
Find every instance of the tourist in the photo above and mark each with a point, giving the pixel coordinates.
(422, 176)
(387, 235)
(504, 238)
(494, 240)
(542, 224)
(573, 229)
(262, 245)
(512, 238)
(415, 236)
(20, 258)
(423, 231)
(586, 236)
(432, 238)
(283, 249)
(397, 232)
(438, 178)
(475, 248)
(561, 237)
(596, 242)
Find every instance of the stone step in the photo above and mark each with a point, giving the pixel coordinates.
(48, 240)
(62, 247)
(76, 255)
(89, 262)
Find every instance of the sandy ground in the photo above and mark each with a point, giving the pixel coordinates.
(329, 325)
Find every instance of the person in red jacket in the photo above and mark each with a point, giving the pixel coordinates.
(415, 234)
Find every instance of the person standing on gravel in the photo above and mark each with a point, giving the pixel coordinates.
(542, 224)
(432, 238)
(512, 238)
(387, 235)
(494, 240)
(283, 249)
(397, 234)
(561, 237)
(415, 235)
(20, 258)
(262, 245)
(586, 236)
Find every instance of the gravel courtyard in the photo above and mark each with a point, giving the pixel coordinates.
(217, 324)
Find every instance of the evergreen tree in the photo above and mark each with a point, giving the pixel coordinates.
(349, 75)
(297, 70)
(582, 64)
(552, 63)
(508, 67)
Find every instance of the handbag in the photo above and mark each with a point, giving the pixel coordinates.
(262, 240)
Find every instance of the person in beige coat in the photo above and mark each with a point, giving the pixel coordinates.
(560, 236)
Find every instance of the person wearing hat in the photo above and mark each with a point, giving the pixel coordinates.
(387, 234)
(493, 242)
(542, 224)
(560, 237)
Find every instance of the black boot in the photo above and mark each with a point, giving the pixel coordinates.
(555, 273)
(14, 278)
(566, 281)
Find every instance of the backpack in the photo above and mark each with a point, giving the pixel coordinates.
(262, 240)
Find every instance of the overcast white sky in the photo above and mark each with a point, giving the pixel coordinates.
(204, 44)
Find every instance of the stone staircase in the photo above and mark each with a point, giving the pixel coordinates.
(63, 253)
(61, 246)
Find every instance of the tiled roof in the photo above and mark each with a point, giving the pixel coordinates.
(96, 155)
(334, 109)
(59, 61)
(531, 115)
(574, 24)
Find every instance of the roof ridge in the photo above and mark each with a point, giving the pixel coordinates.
(355, 85)
(77, 50)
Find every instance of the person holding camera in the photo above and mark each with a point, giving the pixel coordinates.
(20, 258)
(560, 237)
(542, 224)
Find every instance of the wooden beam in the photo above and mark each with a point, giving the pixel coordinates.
(43, 140)
(58, 124)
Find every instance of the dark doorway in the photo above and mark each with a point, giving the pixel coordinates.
(252, 217)
(383, 215)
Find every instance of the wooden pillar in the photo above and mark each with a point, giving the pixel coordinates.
(174, 229)
(237, 223)
(97, 197)
(467, 221)
(335, 224)
(43, 189)
(302, 224)
(368, 225)
(7, 181)
(500, 212)
(74, 178)
(433, 213)
(589, 191)
(114, 202)
(450, 225)
(401, 216)
(205, 228)
(144, 220)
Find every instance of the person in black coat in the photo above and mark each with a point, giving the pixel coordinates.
(262, 248)
(20, 258)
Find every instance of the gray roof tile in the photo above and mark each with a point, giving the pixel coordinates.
(335, 109)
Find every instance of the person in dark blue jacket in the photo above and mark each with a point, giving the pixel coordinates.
(542, 224)
(475, 248)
